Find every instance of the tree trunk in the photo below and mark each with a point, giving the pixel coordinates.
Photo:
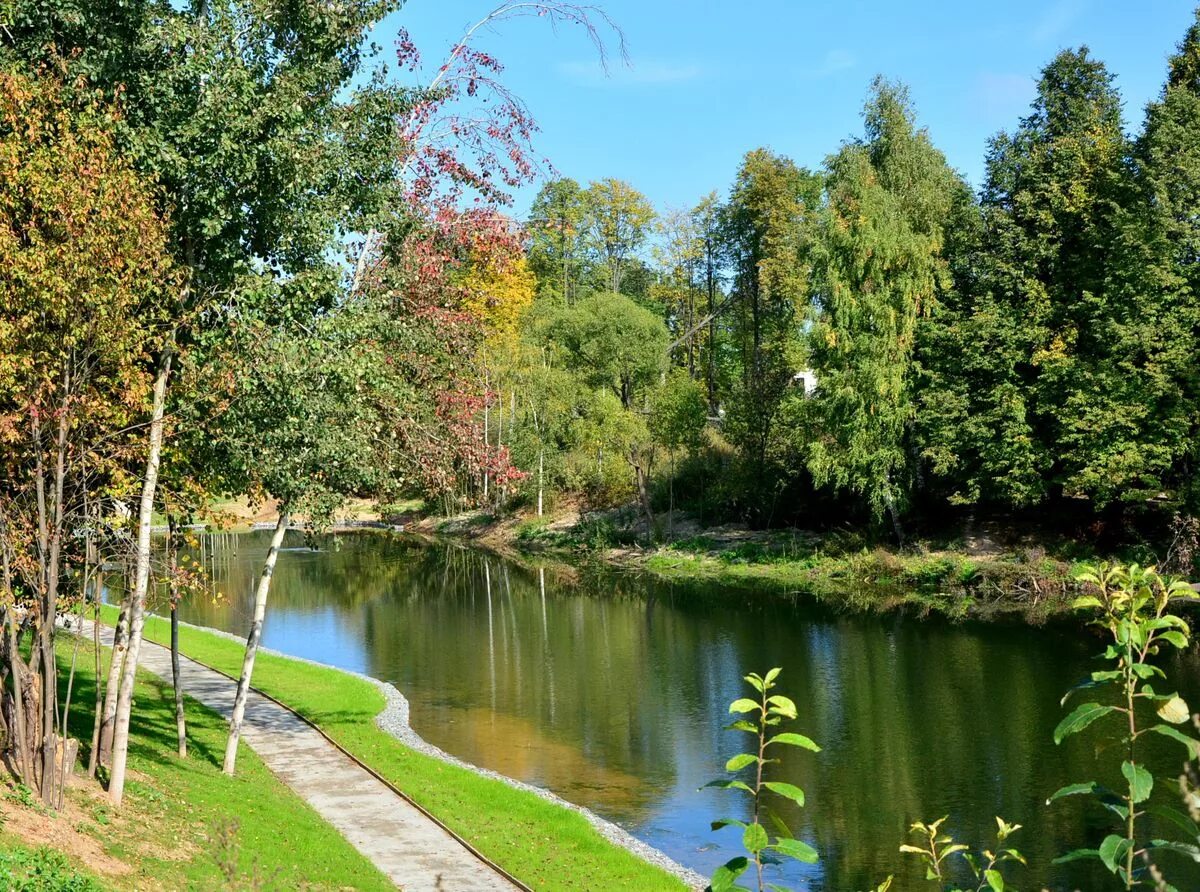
(98, 711)
(112, 686)
(141, 583)
(21, 751)
(541, 477)
(260, 610)
(180, 722)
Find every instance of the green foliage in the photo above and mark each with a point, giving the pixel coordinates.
(613, 343)
(935, 849)
(1132, 605)
(42, 870)
(759, 716)
(878, 270)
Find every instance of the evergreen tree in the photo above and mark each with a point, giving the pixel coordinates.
(878, 269)
(1168, 166)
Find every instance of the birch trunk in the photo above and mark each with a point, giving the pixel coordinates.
(141, 583)
(260, 610)
(109, 713)
(180, 721)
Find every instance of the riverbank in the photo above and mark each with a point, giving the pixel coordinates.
(975, 577)
(183, 824)
(535, 837)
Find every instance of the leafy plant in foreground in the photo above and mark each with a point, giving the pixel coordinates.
(936, 848)
(763, 713)
(1132, 604)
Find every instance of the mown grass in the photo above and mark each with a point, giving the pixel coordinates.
(547, 846)
(184, 824)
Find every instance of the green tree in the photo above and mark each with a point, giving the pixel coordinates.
(619, 220)
(303, 156)
(83, 271)
(767, 227)
(308, 428)
(613, 343)
(879, 267)
(1165, 321)
(677, 415)
(557, 218)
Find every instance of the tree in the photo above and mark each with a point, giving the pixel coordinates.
(878, 270)
(618, 223)
(83, 266)
(766, 228)
(706, 218)
(676, 419)
(679, 254)
(555, 229)
(308, 429)
(304, 157)
(1167, 159)
(613, 343)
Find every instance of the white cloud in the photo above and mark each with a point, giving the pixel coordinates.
(636, 74)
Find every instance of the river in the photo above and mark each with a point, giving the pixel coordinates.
(611, 689)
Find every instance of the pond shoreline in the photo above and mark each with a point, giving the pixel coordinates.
(1027, 585)
(394, 721)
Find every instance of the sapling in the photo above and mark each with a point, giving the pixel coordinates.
(1131, 605)
(760, 715)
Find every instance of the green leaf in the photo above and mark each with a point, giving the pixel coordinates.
(1076, 855)
(1112, 850)
(1176, 638)
(781, 705)
(792, 739)
(727, 822)
(726, 875)
(729, 785)
(742, 725)
(797, 850)
(1087, 787)
(1082, 716)
(740, 761)
(994, 880)
(1183, 848)
(772, 675)
(743, 705)
(781, 828)
(755, 838)
(1141, 781)
(1192, 744)
(788, 791)
(1176, 817)
(1086, 601)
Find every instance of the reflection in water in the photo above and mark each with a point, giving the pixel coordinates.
(611, 690)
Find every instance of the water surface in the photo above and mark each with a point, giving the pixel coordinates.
(611, 689)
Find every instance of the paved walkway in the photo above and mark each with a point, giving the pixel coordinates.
(413, 851)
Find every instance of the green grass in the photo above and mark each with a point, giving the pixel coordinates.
(182, 820)
(547, 846)
(952, 584)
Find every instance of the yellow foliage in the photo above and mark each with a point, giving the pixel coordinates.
(498, 295)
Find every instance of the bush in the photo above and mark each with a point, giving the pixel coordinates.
(42, 870)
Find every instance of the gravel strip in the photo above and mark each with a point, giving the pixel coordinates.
(395, 721)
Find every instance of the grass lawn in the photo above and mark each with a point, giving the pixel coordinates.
(184, 825)
(547, 846)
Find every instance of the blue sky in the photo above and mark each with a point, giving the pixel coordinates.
(710, 81)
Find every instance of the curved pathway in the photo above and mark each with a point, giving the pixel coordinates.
(409, 848)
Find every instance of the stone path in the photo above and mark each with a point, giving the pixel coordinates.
(409, 848)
